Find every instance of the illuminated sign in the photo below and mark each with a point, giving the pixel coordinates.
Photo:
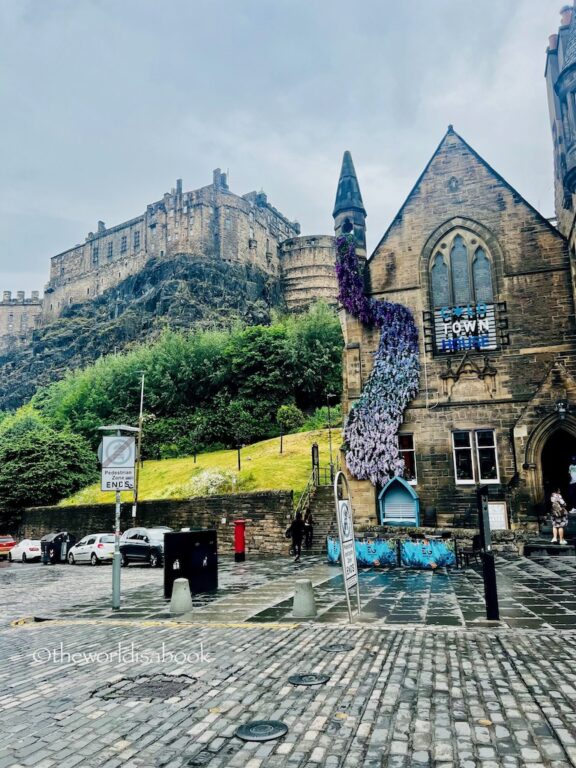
(472, 326)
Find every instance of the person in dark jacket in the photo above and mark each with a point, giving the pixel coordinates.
(308, 529)
(297, 535)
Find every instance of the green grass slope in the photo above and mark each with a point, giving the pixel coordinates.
(263, 468)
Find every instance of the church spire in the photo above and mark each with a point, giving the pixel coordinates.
(349, 212)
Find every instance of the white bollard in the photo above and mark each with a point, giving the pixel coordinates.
(304, 606)
(181, 601)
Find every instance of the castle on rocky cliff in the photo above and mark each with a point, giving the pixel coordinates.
(210, 222)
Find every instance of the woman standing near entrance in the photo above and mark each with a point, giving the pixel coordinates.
(559, 517)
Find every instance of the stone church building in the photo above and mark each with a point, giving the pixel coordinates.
(490, 283)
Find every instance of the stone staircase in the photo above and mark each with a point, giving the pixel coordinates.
(324, 514)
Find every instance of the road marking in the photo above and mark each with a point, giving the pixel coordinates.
(28, 622)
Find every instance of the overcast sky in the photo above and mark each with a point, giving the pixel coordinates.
(105, 103)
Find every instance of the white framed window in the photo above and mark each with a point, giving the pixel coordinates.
(408, 453)
(463, 460)
(475, 456)
(487, 456)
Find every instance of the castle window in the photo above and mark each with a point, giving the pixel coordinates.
(95, 254)
(227, 223)
(137, 240)
(110, 251)
(123, 244)
(440, 283)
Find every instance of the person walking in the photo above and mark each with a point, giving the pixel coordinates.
(308, 529)
(297, 535)
(559, 517)
(572, 485)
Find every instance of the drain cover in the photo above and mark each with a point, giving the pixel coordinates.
(308, 679)
(262, 730)
(150, 687)
(337, 648)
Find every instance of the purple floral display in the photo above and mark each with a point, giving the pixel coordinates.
(371, 429)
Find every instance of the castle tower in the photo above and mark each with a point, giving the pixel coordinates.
(561, 86)
(349, 212)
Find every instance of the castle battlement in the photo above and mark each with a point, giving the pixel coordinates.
(20, 298)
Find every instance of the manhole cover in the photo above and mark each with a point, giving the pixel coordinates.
(262, 730)
(337, 648)
(308, 679)
(151, 687)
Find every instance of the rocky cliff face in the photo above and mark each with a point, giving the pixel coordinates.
(185, 292)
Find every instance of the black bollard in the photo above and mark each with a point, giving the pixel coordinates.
(488, 565)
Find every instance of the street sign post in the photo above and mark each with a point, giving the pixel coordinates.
(488, 565)
(117, 455)
(345, 520)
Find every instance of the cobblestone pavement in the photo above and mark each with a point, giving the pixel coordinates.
(162, 693)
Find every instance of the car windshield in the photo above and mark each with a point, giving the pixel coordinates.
(109, 539)
(157, 534)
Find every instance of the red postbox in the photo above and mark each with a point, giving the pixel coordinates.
(239, 541)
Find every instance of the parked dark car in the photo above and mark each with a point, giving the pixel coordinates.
(143, 545)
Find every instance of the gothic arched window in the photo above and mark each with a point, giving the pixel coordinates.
(463, 278)
(482, 277)
(440, 284)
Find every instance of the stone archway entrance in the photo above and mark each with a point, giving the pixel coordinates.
(550, 448)
(555, 459)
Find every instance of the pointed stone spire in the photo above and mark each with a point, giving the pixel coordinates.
(348, 197)
(349, 212)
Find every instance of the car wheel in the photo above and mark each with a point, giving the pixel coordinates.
(23, 557)
(123, 560)
(71, 559)
(9, 557)
(94, 560)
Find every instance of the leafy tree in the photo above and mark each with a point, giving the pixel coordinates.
(290, 418)
(42, 466)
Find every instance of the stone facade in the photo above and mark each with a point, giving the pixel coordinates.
(267, 516)
(497, 399)
(308, 270)
(18, 316)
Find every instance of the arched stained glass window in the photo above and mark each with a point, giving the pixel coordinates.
(460, 272)
(482, 275)
(440, 282)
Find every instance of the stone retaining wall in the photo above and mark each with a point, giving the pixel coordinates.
(268, 514)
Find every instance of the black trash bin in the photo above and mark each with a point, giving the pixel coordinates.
(54, 547)
(191, 555)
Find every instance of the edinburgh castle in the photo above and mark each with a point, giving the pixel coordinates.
(207, 225)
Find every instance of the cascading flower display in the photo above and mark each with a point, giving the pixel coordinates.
(371, 429)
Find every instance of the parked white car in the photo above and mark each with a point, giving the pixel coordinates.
(94, 549)
(25, 551)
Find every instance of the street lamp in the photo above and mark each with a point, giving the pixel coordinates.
(328, 398)
(139, 445)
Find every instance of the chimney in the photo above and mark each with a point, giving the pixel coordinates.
(179, 187)
(566, 15)
(553, 43)
(7, 296)
(101, 227)
(20, 295)
(35, 295)
(216, 177)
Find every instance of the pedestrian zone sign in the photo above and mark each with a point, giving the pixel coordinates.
(118, 463)
(348, 544)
